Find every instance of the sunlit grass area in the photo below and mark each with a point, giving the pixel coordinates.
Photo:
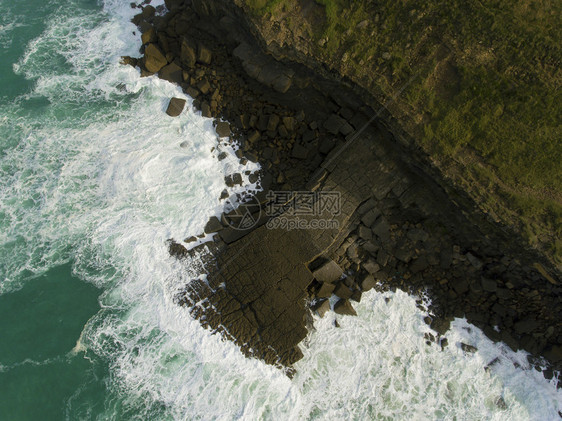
(484, 93)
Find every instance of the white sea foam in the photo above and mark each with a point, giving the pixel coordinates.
(101, 179)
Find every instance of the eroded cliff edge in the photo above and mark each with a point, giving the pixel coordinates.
(400, 224)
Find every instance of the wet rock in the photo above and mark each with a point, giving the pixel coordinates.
(154, 58)
(175, 107)
(468, 348)
(131, 61)
(321, 307)
(213, 225)
(233, 180)
(223, 129)
(356, 296)
(344, 307)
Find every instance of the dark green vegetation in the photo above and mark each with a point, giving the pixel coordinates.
(482, 93)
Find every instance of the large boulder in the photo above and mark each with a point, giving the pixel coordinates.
(154, 58)
(172, 73)
(175, 107)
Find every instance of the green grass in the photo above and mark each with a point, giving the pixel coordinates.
(505, 104)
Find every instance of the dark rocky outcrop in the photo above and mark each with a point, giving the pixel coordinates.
(396, 226)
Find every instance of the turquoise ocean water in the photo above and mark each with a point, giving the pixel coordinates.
(93, 180)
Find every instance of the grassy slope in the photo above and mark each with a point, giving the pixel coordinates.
(485, 98)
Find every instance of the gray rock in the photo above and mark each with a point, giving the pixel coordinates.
(233, 180)
(468, 348)
(368, 283)
(175, 107)
(321, 307)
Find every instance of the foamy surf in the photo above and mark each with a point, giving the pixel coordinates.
(100, 178)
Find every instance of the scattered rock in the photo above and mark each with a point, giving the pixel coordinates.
(175, 107)
(468, 348)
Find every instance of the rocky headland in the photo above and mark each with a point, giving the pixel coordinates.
(397, 222)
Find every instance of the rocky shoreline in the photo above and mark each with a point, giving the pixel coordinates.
(399, 224)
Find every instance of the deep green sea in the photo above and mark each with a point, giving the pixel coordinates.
(94, 178)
